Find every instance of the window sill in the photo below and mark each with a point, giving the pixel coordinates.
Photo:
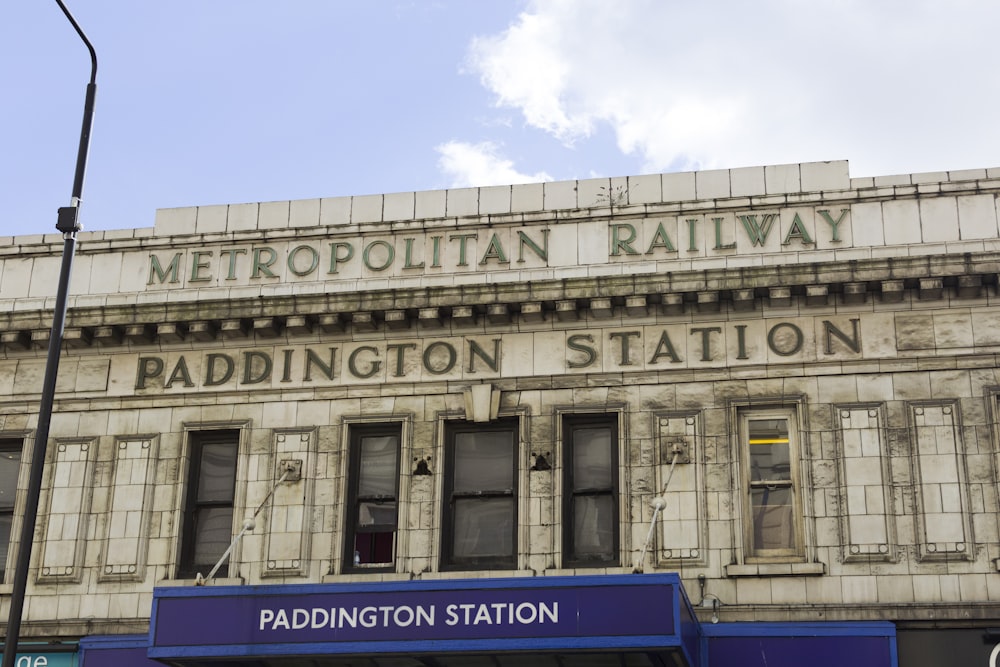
(776, 570)
(6, 589)
(218, 581)
(581, 571)
(365, 577)
(476, 574)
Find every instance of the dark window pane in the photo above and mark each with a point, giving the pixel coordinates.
(769, 429)
(208, 509)
(592, 458)
(10, 465)
(378, 466)
(217, 472)
(213, 531)
(374, 548)
(6, 520)
(594, 527)
(480, 511)
(770, 457)
(773, 519)
(372, 507)
(484, 461)
(590, 496)
(377, 515)
(484, 527)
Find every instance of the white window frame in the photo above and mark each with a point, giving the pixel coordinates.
(797, 552)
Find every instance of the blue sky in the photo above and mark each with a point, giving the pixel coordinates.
(225, 101)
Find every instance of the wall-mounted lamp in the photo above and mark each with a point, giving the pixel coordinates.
(708, 600)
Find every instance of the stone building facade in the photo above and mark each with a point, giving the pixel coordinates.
(778, 383)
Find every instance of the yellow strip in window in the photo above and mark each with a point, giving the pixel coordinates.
(770, 441)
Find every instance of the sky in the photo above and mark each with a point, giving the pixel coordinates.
(204, 102)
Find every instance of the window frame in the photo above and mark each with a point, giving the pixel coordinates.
(197, 439)
(793, 483)
(571, 424)
(449, 562)
(10, 444)
(357, 432)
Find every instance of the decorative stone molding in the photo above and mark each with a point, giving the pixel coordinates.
(637, 297)
(124, 552)
(67, 510)
(482, 402)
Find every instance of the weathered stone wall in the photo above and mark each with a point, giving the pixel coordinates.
(885, 348)
(899, 456)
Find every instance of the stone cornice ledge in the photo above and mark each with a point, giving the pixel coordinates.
(669, 295)
(775, 569)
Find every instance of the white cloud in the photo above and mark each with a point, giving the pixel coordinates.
(527, 70)
(891, 85)
(471, 165)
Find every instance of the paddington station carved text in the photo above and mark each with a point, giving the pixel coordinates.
(502, 355)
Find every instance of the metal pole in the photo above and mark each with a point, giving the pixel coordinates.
(67, 223)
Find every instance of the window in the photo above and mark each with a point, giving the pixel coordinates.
(480, 522)
(208, 512)
(10, 467)
(590, 491)
(372, 506)
(774, 518)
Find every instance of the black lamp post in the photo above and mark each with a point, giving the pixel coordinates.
(68, 223)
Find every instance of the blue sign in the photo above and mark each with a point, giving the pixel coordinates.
(42, 659)
(539, 613)
(116, 650)
(828, 644)
(572, 615)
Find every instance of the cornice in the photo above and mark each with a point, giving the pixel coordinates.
(668, 295)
